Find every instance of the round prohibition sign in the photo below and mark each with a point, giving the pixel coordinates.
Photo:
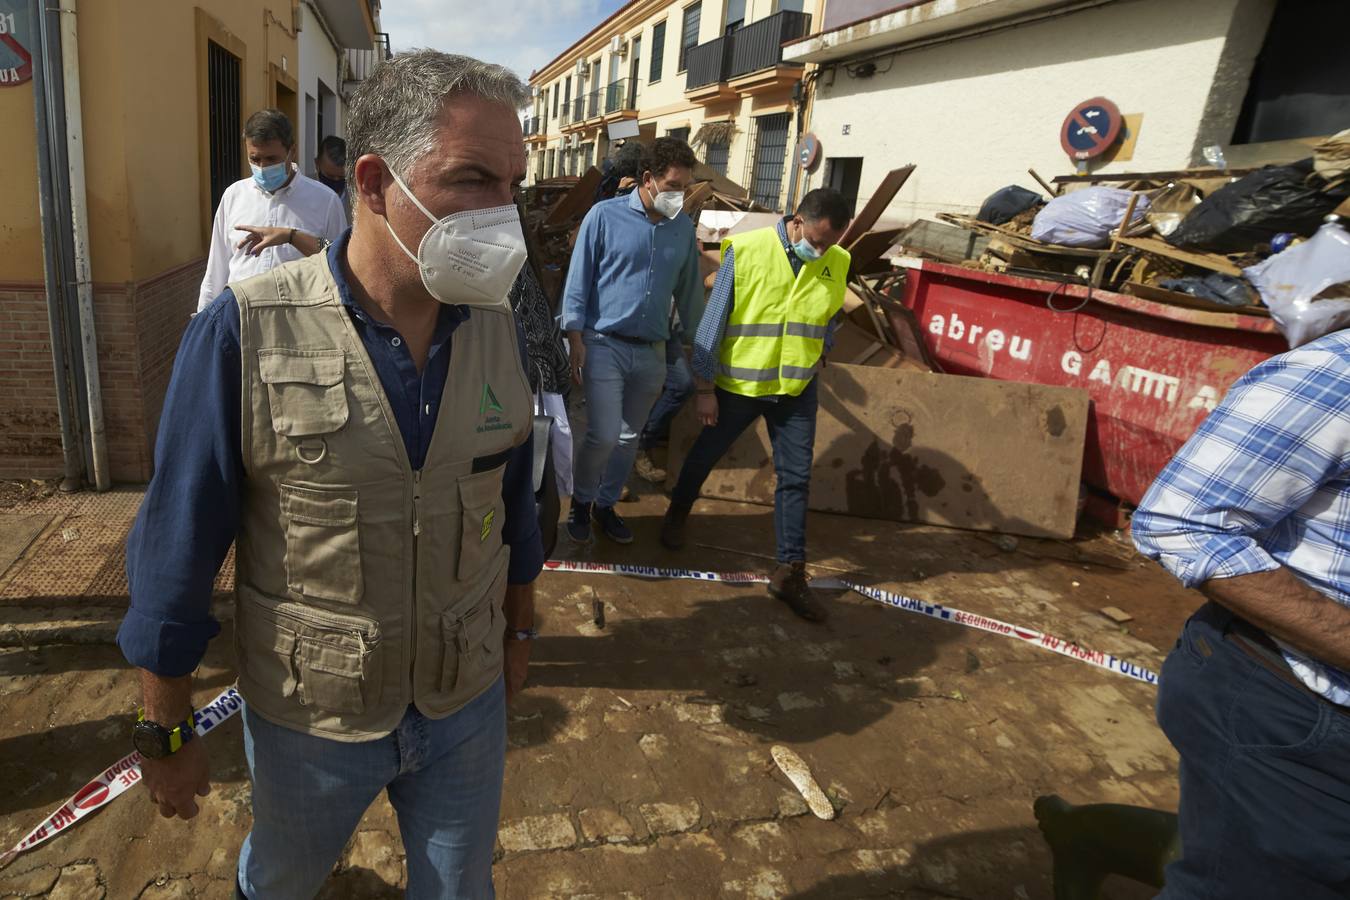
(1090, 128)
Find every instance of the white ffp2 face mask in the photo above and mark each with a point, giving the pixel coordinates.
(468, 258)
(668, 203)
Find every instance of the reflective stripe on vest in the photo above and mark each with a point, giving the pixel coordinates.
(776, 331)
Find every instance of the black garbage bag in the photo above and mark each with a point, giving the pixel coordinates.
(1004, 203)
(1258, 206)
(1216, 286)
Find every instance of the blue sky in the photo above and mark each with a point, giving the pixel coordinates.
(520, 34)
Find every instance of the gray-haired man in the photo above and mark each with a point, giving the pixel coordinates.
(358, 422)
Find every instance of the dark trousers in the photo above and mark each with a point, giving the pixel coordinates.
(792, 432)
(1265, 775)
(678, 388)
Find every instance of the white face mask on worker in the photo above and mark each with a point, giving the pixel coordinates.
(668, 203)
(468, 258)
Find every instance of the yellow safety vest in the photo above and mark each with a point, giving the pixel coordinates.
(776, 331)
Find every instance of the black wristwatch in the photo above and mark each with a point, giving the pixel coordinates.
(154, 741)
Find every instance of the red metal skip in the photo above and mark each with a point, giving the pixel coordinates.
(1153, 371)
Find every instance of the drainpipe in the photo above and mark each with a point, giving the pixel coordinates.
(49, 183)
(79, 220)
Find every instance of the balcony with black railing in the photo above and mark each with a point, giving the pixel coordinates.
(593, 103)
(579, 108)
(750, 49)
(617, 97)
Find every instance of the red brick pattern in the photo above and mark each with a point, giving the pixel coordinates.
(139, 326)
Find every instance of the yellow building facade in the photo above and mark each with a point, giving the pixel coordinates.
(710, 72)
(165, 86)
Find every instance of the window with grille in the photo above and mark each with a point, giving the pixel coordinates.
(718, 156)
(658, 52)
(222, 100)
(689, 33)
(766, 163)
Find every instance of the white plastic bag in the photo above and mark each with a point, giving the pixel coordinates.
(1085, 218)
(555, 406)
(1292, 285)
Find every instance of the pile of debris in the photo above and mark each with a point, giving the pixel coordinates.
(1206, 238)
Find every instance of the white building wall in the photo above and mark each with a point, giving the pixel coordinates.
(975, 113)
(318, 61)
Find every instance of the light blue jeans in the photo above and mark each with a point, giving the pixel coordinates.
(622, 382)
(444, 778)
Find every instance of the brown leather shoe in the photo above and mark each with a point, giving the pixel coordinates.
(672, 528)
(647, 470)
(788, 583)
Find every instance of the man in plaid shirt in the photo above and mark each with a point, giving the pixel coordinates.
(1254, 511)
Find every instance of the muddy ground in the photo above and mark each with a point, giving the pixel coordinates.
(639, 758)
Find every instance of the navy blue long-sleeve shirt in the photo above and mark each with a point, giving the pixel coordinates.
(191, 510)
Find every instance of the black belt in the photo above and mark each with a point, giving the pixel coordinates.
(625, 338)
(1263, 651)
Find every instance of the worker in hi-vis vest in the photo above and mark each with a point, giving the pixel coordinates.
(766, 331)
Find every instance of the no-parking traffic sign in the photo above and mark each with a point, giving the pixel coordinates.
(1090, 129)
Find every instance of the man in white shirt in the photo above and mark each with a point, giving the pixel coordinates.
(277, 216)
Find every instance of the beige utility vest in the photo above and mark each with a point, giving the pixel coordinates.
(364, 586)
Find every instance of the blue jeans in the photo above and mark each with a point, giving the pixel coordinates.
(444, 778)
(621, 381)
(792, 433)
(1265, 787)
(679, 387)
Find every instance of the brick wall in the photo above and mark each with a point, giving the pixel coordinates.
(139, 326)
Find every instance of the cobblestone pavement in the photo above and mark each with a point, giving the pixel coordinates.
(639, 761)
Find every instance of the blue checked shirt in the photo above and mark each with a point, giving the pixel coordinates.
(721, 301)
(1264, 483)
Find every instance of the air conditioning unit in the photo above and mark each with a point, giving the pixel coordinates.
(581, 67)
(618, 45)
(573, 140)
(534, 90)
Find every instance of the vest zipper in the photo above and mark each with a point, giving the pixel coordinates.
(417, 531)
(417, 503)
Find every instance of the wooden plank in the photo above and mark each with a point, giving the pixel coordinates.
(1053, 192)
(1212, 261)
(577, 202)
(942, 241)
(1172, 175)
(1021, 241)
(876, 205)
(914, 446)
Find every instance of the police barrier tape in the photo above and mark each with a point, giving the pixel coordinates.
(113, 781)
(1049, 642)
(121, 775)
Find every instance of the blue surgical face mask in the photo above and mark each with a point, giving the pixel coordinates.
(269, 178)
(805, 252)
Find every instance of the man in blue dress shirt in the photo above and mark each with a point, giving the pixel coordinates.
(634, 256)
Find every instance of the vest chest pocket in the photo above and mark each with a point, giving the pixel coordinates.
(305, 390)
(473, 642)
(481, 515)
(323, 543)
(320, 659)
